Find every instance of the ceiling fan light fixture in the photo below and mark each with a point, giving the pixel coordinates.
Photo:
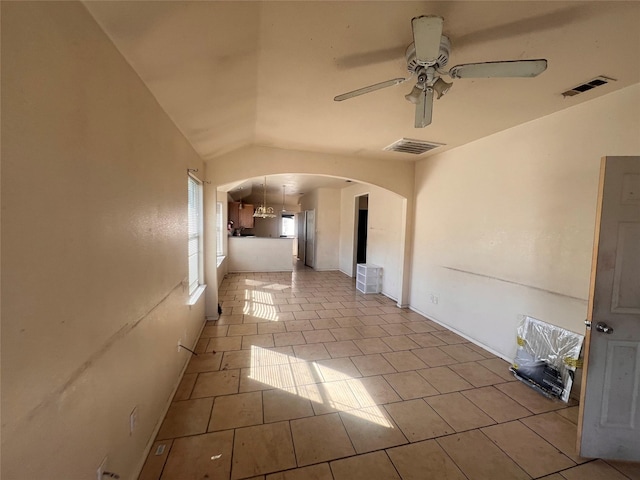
(441, 87)
(283, 190)
(414, 95)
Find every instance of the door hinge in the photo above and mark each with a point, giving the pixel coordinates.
(588, 324)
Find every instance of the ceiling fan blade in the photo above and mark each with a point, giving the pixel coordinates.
(424, 108)
(508, 68)
(370, 88)
(427, 31)
(536, 24)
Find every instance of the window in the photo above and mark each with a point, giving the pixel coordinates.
(288, 228)
(195, 234)
(219, 229)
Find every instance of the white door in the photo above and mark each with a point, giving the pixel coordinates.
(609, 424)
(302, 239)
(310, 236)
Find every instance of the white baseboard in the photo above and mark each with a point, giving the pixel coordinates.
(458, 332)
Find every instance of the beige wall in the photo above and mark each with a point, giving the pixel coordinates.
(504, 225)
(256, 161)
(326, 203)
(94, 202)
(384, 234)
(327, 228)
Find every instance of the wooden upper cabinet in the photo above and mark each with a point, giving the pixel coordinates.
(241, 217)
(246, 215)
(234, 214)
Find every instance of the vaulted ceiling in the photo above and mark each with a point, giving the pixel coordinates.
(231, 74)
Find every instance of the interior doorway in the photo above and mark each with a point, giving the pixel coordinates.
(361, 227)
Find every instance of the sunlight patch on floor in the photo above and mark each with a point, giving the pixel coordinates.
(307, 380)
(260, 304)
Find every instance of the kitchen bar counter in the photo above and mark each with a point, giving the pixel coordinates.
(260, 254)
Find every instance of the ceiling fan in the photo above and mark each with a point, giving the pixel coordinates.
(426, 58)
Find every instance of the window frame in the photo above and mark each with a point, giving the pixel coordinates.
(220, 230)
(292, 217)
(195, 185)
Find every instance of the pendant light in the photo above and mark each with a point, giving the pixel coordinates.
(283, 188)
(263, 211)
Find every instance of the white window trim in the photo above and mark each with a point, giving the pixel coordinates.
(199, 285)
(220, 230)
(195, 296)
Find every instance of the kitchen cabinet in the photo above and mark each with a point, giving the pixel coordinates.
(241, 217)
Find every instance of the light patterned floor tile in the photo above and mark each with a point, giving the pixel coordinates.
(459, 412)
(530, 451)
(264, 341)
(461, 353)
(424, 460)
(364, 467)
(372, 391)
(337, 372)
(426, 340)
(630, 469)
(319, 439)
(496, 404)
(314, 351)
(558, 431)
(187, 417)
(434, 357)
(597, 470)
(499, 367)
(185, 387)
(320, 471)
(233, 411)
(410, 385)
(479, 458)
(417, 420)
(444, 379)
(372, 428)
(373, 365)
(262, 449)
(400, 342)
(212, 384)
(404, 361)
(370, 346)
(205, 362)
(286, 404)
(345, 348)
(190, 457)
(529, 398)
(318, 336)
(476, 374)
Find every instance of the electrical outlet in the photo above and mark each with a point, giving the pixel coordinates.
(179, 344)
(133, 420)
(433, 299)
(101, 469)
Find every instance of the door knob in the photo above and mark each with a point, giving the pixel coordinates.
(603, 327)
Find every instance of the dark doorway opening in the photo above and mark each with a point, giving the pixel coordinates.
(362, 203)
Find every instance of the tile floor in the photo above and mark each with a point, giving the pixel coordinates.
(302, 377)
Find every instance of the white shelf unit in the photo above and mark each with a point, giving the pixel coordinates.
(368, 278)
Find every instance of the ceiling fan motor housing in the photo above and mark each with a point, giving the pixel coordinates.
(443, 57)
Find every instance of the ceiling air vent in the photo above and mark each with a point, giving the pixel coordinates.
(596, 82)
(415, 147)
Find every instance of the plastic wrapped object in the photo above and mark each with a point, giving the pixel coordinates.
(547, 357)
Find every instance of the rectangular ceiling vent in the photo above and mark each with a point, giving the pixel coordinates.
(596, 82)
(415, 147)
